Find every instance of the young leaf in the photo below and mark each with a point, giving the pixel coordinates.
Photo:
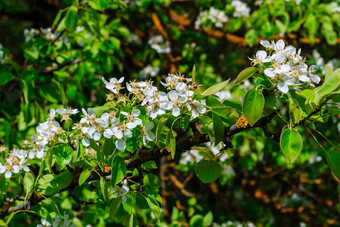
(71, 18)
(63, 155)
(333, 159)
(118, 170)
(295, 111)
(218, 128)
(193, 74)
(208, 170)
(253, 105)
(83, 176)
(28, 182)
(115, 204)
(291, 144)
(331, 82)
(245, 74)
(215, 88)
(184, 123)
(171, 143)
(159, 128)
(108, 147)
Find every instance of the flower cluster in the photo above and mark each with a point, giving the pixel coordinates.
(157, 43)
(284, 65)
(148, 71)
(119, 122)
(214, 16)
(179, 97)
(240, 9)
(46, 133)
(47, 33)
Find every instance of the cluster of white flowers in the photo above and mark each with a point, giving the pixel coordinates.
(148, 71)
(157, 43)
(32, 33)
(121, 191)
(46, 133)
(15, 162)
(285, 65)
(217, 17)
(57, 222)
(240, 9)
(180, 95)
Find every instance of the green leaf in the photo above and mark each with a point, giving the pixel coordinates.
(215, 88)
(333, 159)
(149, 165)
(171, 143)
(331, 82)
(253, 105)
(104, 188)
(245, 74)
(193, 74)
(115, 204)
(71, 17)
(291, 144)
(28, 182)
(196, 221)
(83, 176)
(6, 77)
(208, 170)
(208, 219)
(62, 180)
(118, 170)
(295, 111)
(159, 129)
(218, 128)
(308, 94)
(184, 123)
(108, 147)
(251, 37)
(63, 155)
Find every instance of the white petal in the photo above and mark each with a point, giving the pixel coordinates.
(283, 87)
(269, 72)
(120, 144)
(40, 153)
(118, 134)
(128, 133)
(261, 54)
(173, 96)
(31, 154)
(138, 121)
(96, 136)
(131, 125)
(149, 125)
(108, 133)
(150, 136)
(16, 169)
(2, 168)
(8, 174)
(85, 142)
(121, 80)
(124, 113)
(25, 168)
(176, 111)
(315, 78)
(135, 112)
(194, 113)
(304, 78)
(201, 109)
(280, 45)
(265, 43)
